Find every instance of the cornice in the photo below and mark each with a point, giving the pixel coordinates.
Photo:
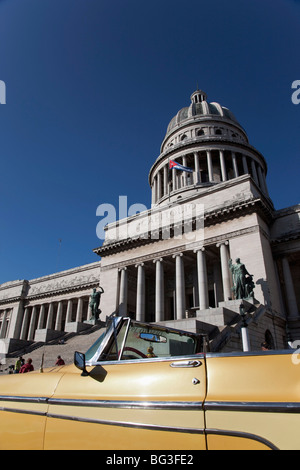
(212, 217)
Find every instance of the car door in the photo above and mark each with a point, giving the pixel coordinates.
(142, 403)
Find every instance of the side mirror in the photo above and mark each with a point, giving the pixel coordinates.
(79, 361)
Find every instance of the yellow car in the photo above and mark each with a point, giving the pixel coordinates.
(142, 386)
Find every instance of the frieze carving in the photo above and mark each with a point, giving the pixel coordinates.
(63, 284)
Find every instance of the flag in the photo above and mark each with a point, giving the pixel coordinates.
(177, 166)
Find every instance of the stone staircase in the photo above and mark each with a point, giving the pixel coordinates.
(71, 342)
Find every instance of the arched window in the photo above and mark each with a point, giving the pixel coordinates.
(218, 132)
(200, 132)
(184, 136)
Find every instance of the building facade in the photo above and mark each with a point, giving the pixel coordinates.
(170, 264)
(43, 309)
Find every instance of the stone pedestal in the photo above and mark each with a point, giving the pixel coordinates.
(9, 345)
(234, 305)
(93, 322)
(44, 335)
(219, 316)
(76, 326)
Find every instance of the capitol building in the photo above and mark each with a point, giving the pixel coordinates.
(171, 264)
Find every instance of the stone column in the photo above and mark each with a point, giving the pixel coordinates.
(16, 321)
(166, 180)
(209, 166)
(245, 165)
(158, 192)
(223, 166)
(159, 290)
(58, 323)
(225, 269)
(69, 311)
(180, 286)
(217, 282)
(32, 324)
(290, 291)
(2, 331)
(123, 292)
(79, 310)
(140, 292)
(202, 279)
(154, 190)
(25, 323)
(184, 175)
(174, 179)
(50, 317)
(253, 167)
(262, 181)
(197, 169)
(234, 164)
(41, 317)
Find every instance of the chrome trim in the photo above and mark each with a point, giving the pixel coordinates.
(26, 412)
(20, 399)
(275, 352)
(261, 407)
(194, 363)
(124, 339)
(145, 405)
(126, 424)
(241, 434)
(150, 405)
(159, 405)
(145, 360)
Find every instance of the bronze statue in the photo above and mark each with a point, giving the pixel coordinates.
(94, 303)
(243, 284)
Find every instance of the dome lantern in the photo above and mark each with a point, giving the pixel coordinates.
(198, 96)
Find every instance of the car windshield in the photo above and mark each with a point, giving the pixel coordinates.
(127, 340)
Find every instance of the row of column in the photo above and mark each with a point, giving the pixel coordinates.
(39, 317)
(180, 179)
(180, 288)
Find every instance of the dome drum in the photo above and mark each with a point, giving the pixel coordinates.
(208, 167)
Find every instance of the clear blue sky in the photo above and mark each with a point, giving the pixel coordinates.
(91, 88)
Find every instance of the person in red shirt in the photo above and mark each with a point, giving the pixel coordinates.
(60, 361)
(28, 367)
